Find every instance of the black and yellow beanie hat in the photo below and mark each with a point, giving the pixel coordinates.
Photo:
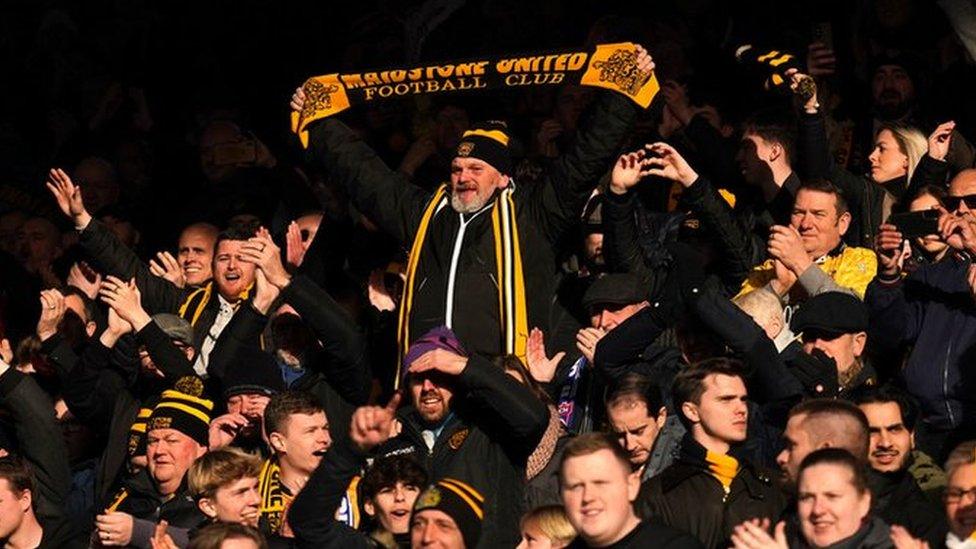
(184, 412)
(459, 501)
(487, 141)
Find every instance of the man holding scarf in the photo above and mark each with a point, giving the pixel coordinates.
(482, 249)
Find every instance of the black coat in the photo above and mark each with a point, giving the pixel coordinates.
(898, 500)
(686, 497)
(495, 425)
(544, 212)
(648, 534)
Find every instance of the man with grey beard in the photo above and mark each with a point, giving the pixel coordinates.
(482, 258)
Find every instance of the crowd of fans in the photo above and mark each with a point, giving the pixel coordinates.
(739, 317)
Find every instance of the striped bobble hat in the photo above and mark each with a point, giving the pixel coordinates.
(185, 412)
(488, 141)
(458, 500)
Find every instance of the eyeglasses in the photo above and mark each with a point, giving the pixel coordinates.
(952, 203)
(955, 495)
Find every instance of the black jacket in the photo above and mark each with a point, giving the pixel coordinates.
(40, 443)
(496, 423)
(648, 534)
(741, 233)
(544, 212)
(874, 534)
(689, 498)
(897, 499)
(312, 513)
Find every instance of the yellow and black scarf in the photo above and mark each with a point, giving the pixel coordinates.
(722, 467)
(609, 66)
(195, 303)
(513, 317)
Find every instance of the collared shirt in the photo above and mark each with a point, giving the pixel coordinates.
(226, 312)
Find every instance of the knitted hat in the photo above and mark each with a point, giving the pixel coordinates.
(175, 327)
(185, 413)
(439, 338)
(487, 141)
(137, 433)
(831, 313)
(457, 500)
(254, 372)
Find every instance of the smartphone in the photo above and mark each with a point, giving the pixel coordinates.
(243, 152)
(916, 224)
(823, 32)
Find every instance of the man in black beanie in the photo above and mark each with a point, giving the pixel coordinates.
(482, 249)
(176, 435)
(448, 513)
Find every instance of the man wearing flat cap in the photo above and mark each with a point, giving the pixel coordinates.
(833, 329)
(482, 249)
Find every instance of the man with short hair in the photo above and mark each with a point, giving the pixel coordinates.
(708, 490)
(194, 254)
(897, 497)
(19, 525)
(930, 311)
(297, 430)
(821, 423)
(224, 484)
(598, 489)
(208, 308)
(808, 256)
(637, 416)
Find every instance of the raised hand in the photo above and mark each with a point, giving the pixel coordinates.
(940, 139)
(439, 360)
(125, 299)
(820, 59)
(805, 88)
(265, 293)
(52, 311)
(294, 247)
(586, 340)
(784, 278)
(297, 100)
(167, 267)
(669, 164)
(541, 367)
(628, 171)
(676, 100)
(69, 197)
(958, 230)
(644, 61)
(379, 296)
(888, 245)
(224, 429)
(374, 425)
(78, 278)
(266, 256)
(161, 539)
(786, 245)
(903, 539)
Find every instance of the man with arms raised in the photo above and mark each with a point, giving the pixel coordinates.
(481, 215)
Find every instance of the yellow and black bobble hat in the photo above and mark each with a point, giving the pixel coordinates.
(186, 413)
(459, 501)
(487, 141)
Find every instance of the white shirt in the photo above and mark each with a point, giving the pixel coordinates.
(223, 317)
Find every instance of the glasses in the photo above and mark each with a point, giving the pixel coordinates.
(955, 495)
(952, 203)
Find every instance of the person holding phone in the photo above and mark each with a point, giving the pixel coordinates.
(932, 310)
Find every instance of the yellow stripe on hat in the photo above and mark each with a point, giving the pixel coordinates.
(497, 135)
(780, 60)
(465, 486)
(138, 427)
(144, 413)
(768, 55)
(467, 499)
(176, 395)
(184, 408)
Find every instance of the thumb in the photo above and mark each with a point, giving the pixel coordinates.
(559, 357)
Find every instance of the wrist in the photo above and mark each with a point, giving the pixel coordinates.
(109, 338)
(139, 320)
(689, 179)
(82, 221)
(618, 189)
(46, 333)
(937, 157)
(281, 280)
